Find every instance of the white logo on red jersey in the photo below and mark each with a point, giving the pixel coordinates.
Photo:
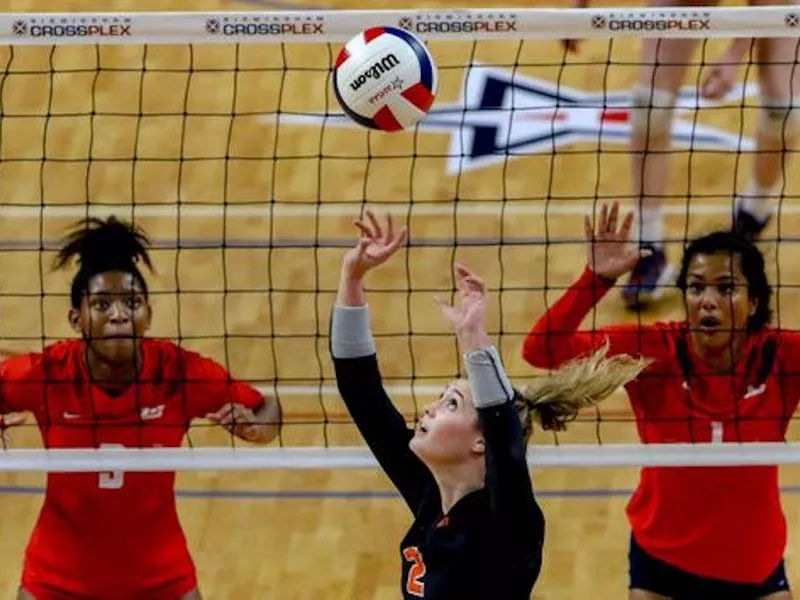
(152, 412)
(755, 391)
(69, 415)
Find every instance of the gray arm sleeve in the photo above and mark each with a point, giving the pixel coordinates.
(351, 336)
(487, 378)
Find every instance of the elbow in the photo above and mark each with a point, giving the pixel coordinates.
(535, 350)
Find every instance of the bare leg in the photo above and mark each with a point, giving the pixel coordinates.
(664, 63)
(777, 75)
(663, 68)
(776, 133)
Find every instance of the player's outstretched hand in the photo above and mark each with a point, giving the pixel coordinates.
(377, 244)
(7, 422)
(718, 81)
(239, 420)
(467, 315)
(721, 76)
(608, 252)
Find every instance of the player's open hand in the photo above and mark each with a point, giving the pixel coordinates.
(7, 422)
(239, 420)
(467, 314)
(608, 252)
(377, 244)
(718, 81)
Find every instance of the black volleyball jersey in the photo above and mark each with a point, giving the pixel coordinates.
(489, 545)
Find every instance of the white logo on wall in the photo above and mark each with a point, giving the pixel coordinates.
(484, 130)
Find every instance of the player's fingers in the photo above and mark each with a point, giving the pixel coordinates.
(226, 420)
(390, 227)
(376, 226)
(465, 274)
(447, 311)
(14, 420)
(223, 410)
(627, 223)
(475, 283)
(441, 302)
(366, 232)
(587, 228)
(395, 244)
(711, 87)
(603, 219)
(611, 226)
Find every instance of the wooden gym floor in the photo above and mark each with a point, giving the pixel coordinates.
(317, 534)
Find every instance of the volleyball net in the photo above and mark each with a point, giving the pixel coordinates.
(220, 135)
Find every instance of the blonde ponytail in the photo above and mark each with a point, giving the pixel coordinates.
(556, 399)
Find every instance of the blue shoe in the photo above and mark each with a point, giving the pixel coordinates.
(747, 225)
(650, 278)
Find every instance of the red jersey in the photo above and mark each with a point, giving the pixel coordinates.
(113, 535)
(719, 522)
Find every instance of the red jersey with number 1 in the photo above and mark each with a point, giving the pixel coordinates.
(113, 535)
(718, 522)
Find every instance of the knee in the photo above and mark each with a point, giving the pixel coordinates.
(651, 117)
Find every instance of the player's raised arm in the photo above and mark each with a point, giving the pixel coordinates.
(506, 414)
(357, 373)
(555, 337)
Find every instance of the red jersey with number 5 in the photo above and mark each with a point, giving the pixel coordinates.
(719, 522)
(113, 535)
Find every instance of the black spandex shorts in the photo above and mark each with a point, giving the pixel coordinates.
(653, 575)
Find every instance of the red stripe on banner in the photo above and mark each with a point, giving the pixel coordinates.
(615, 115)
(371, 34)
(419, 96)
(343, 56)
(384, 119)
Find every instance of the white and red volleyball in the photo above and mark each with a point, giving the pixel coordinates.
(385, 78)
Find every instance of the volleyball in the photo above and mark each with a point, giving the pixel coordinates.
(385, 78)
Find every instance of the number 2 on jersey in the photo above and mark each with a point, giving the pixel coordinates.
(414, 584)
(111, 480)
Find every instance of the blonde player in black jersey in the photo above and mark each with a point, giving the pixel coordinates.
(477, 531)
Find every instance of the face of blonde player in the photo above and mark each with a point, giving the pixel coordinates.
(718, 302)
(113, 316)
(447, 432)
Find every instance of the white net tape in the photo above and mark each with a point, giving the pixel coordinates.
(339, 26)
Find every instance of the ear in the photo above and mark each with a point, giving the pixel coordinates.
(479, 446)
(753, 307)
(74, 318)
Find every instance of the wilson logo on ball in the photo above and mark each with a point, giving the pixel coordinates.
(375, 71)
(385, 78)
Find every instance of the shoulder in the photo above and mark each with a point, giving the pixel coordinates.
(61, 357)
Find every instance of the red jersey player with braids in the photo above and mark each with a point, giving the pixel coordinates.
(117, 535)
(722, 375)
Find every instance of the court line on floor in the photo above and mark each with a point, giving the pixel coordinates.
(347, 494)
(348, 209)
